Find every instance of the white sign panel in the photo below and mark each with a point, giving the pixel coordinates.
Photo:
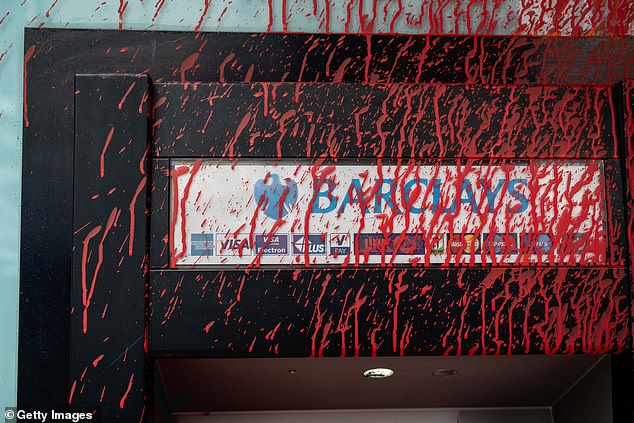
(250, 213)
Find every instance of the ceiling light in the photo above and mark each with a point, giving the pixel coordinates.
(378, 373)
(444, 372)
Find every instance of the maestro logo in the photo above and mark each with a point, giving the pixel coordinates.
(274, 198)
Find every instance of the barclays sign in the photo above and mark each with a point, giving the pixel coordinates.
(382, 214)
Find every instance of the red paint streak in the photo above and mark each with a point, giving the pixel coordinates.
(139, 188)
(327, 18)
(188, 64)
(27, 57)
(5, 52)
(284, 17)
(3, 18)
(103, 152)
(179, 206)
(127, 391)
(397, 14)
(122, 6)
(222, 14)
(48, 12)
(72, 392)
(229, 152)
(159, 4)
(223, 64)
(126, 95)
(175, 174)
(88, 293)
(202, 17)
(97, 360)
(84, 285)
(318, 315)
(270, 4)
(338, 76)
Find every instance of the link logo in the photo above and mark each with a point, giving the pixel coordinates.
(315, 244)
(394, 244)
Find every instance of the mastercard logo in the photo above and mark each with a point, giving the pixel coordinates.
(464, 244)
(472, 244)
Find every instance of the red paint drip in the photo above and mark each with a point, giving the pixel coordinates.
(84, 284)
(127, 391)
(4, 17)
(88, 293)
(103, 152)
(48, 12)
(122, 6)
(270, 4)
(139, 188)
(27, 56)
(159, 4)
(126, 95)
(97, 360)
(188, 64)
(181, 206)
(202, 17)
(284, 17)
(72, 392)
(5, 52)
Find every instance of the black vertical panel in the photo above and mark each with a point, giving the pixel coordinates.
(622, 374)
(109, 272)
(159, 245)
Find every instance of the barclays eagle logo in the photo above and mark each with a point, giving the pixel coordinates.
(275, 199)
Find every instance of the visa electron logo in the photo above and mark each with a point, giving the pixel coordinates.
(275, 199)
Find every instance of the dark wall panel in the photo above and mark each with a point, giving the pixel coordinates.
(317, 312)
(107, 364)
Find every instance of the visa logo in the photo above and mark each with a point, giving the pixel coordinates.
(233, 246)
(271, 245)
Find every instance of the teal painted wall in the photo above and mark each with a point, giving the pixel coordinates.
(563, 17)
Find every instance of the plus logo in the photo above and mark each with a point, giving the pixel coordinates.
(274, 198)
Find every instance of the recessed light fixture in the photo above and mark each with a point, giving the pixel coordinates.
(292, 371)
(378, 373)
(444, 372)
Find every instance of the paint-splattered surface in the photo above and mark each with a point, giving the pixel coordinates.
(521, 17)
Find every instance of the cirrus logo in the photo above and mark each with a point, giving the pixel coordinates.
(274, 198)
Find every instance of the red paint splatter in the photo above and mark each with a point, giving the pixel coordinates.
(48, 12)
(188, 64)
(122, 7)
(126, 95)
(139, 188)
(270, 4)
(4, 17)
(159, 4)
(127, 391)
(96, 361)
(103, 153)
(202, 17)
(72, 392)
(27, 57)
